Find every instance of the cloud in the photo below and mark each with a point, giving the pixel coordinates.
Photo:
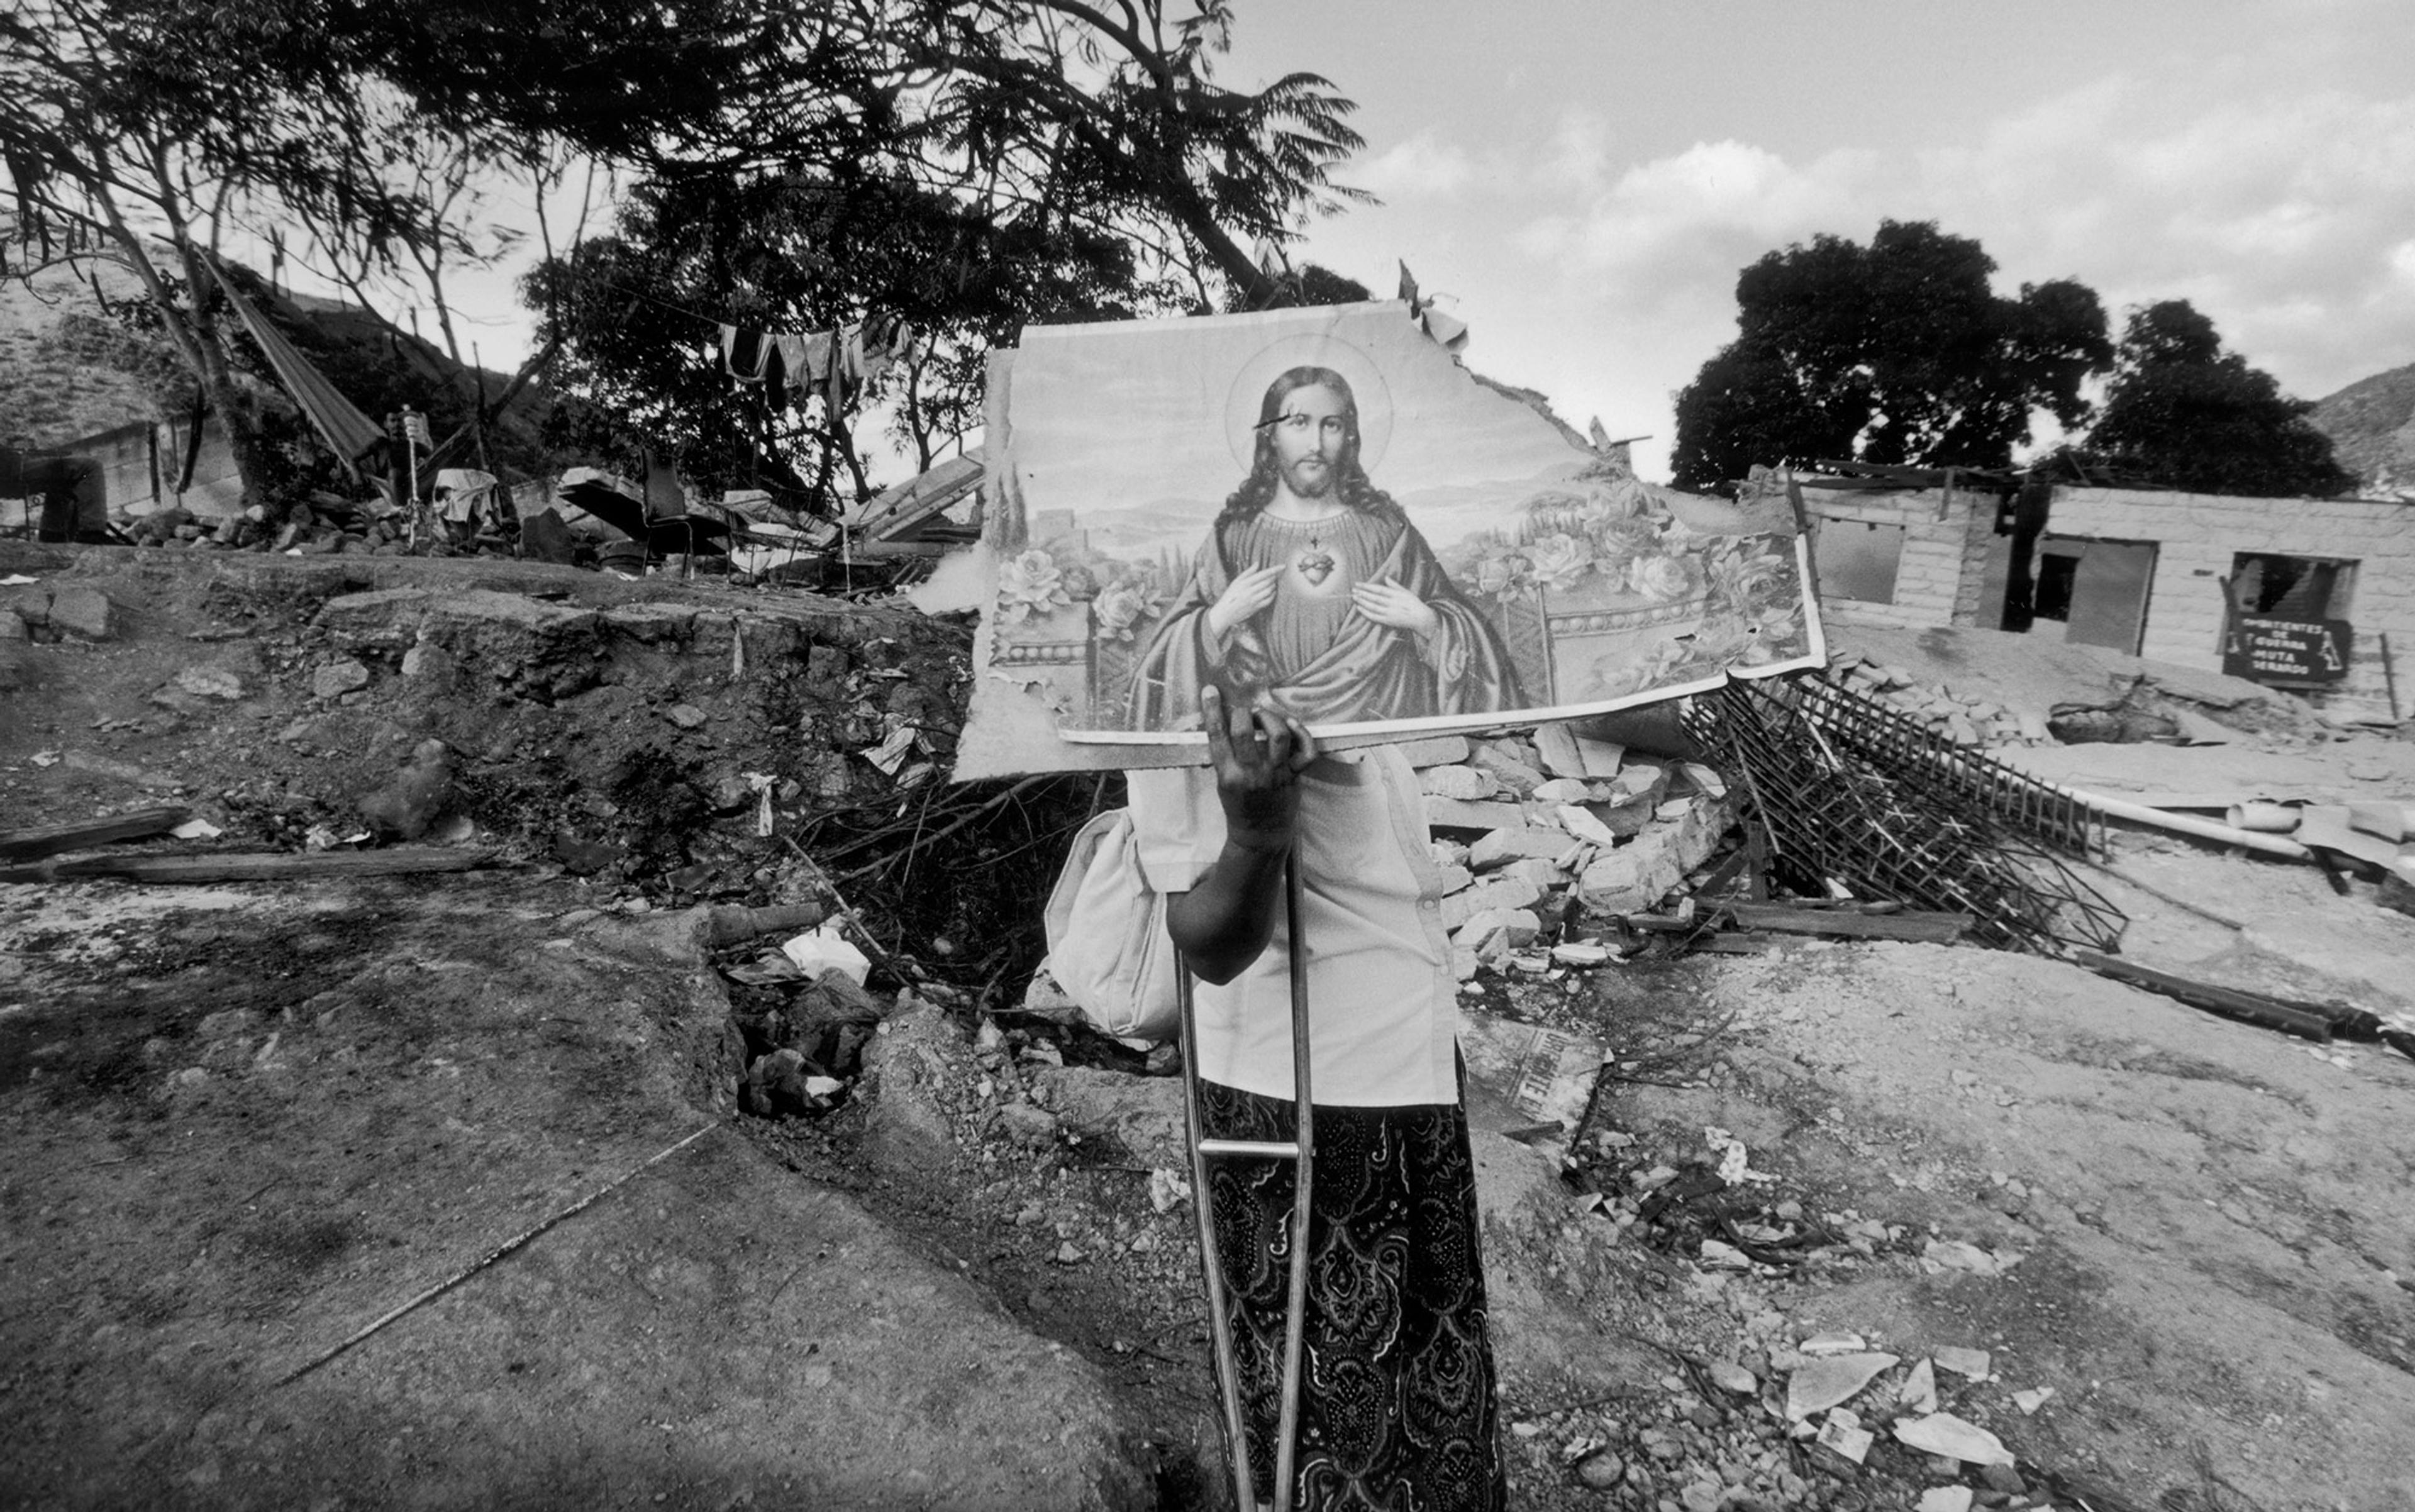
(2280, 213)
(1424, 165)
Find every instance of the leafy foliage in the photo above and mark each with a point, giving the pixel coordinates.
(2184, 413)
(1899, 352)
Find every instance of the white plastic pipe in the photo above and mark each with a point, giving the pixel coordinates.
(2182, 824)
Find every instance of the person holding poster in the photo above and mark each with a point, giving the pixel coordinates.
(1315, 595)
(1398, 1403)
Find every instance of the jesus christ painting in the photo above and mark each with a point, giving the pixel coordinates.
(1315, 595)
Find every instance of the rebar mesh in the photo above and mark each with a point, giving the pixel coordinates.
(1847, 791)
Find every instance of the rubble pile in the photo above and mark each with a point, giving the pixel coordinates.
(1534, 831)
(1964, 721)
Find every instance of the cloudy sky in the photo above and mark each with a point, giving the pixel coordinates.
(1586, 177)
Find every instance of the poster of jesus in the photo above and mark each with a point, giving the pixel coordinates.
(1321, 511)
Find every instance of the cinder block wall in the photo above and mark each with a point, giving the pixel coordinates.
(1944, 554)
(2196, 537)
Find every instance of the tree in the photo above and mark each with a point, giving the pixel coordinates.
(1897, 352)
(971, 167)
(2182, 412)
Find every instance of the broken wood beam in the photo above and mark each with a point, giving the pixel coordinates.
(1904, 924)
(2228, 1002)
(51, 839)
(1793, 919)
(254, 866)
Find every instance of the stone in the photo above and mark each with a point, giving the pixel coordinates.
(1965, 1362)
(1625, 818)
(1455, 880)
(12, 627)
(1458, 814)
(1628, 880)
(1730, 1376)
(1942, 1433)
(1515, 775)
(1642, 777)
(1562, 791)
(1945, 1498)
(1515, 843)
(211, 682)
(430, 661)
(1464, 782)
(337, 679)
(1032, 1129)
(2004, 1479)
(1601, 757)
(1541, 875)
(409, 806)
(1602, 1470)
(686, 715)
(1831, 1380)
(82, 611)
(1581, 823)
(1556, 747)
(1495, 933)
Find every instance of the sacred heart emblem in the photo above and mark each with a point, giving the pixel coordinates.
(1316, 566)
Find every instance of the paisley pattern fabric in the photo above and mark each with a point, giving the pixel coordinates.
(1397, 1385)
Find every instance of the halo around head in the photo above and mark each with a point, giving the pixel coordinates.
(1367, 388)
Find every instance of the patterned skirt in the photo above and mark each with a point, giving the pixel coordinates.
(1397, 1407)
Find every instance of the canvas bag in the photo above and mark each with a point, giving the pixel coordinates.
(1107, 944)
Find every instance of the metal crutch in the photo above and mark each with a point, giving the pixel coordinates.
(1300, 1151)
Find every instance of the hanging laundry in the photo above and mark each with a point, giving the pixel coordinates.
(746, 354)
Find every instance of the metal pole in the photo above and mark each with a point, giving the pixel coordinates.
(1304, 1135)
(1300, 1151)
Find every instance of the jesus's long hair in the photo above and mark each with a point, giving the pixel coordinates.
(1350, 482)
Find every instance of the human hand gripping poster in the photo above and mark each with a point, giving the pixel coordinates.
(1321, 511)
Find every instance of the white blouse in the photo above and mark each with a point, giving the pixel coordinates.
(1383, 1002)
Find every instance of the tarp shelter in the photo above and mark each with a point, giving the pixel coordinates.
(350, 434)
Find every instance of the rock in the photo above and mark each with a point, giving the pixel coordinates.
(1630, 879)
(686, 715)
(1730, 1376)
(1502, 846)
(428, 662)
(1625, 818)
(1515, 775)
(1942, 1433)
(583, 856)
(1562, 791)
(1602, 1470)
(12, 627)
(1831, 1380)
(1965, 1362)
(409, 806)
(1581, 823)
(211, 682)
(1557, 746)
(82, 611)
(1464, 782)
(1033, 1128)
(337, 679)
(2004, 1479)
(1459, 814)
(1945, 1498)
(1495, 933)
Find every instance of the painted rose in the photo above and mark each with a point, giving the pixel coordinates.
(1121, 607)
(1663, 579)
(1029, 585)
(1560, 561)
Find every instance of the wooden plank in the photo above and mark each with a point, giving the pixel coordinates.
(51, 839)
(1784, 919)
(2249, 1007)
(257, 866)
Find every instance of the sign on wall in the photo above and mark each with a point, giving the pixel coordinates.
(2265, 649)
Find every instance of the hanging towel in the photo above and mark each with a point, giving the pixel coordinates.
(745, 353)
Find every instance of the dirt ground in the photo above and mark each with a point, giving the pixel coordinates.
(447, 1191)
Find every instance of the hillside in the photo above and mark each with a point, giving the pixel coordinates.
(2372, 426)
(62, 376)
